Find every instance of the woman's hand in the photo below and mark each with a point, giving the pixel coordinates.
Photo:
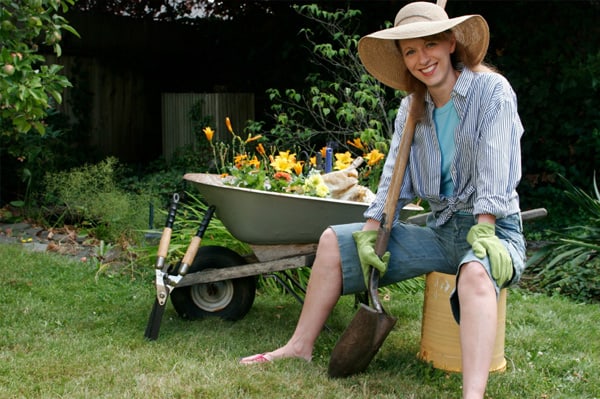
(484, 242)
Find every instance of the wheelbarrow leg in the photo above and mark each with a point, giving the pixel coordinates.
(287, 287)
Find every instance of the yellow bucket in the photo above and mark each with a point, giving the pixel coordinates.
(440, 342)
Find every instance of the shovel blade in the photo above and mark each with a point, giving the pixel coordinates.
(360, 342)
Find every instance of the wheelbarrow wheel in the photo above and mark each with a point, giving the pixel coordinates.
(229, 299)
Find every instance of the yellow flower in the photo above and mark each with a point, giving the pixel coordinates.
(228, 124)
(322, 190)
(342, 160)
(209, 133)
(313, 161)
(314, 185)
(357, 143)
(374, 157)
(284, 162)
(313, 180)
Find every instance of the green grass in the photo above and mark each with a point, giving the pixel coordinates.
(68, 334)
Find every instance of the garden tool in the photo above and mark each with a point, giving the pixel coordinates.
(166, 283)
(161, 270)
(365, 334)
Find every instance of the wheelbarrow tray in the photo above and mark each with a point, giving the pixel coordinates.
(268, 218)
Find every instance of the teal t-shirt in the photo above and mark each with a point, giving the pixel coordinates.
(446, 120)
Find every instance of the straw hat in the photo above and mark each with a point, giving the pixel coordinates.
(381, 56)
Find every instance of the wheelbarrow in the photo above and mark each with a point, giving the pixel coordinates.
(281, 229)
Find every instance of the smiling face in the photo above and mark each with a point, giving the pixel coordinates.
(428, 60)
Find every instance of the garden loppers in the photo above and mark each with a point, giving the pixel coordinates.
(365, 334)
(161, 271)
(169, 282)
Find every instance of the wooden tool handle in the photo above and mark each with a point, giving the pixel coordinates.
(192, 250)
(391, 200)
(165, 239)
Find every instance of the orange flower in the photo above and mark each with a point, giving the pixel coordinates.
(239, 160)
(357, 143)
(228, 124)
(260, 149)
(283, 175)
(251, 138)
(298, 166)
(209, 133)
(254, 162)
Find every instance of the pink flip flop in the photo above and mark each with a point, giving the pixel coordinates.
(256, 359)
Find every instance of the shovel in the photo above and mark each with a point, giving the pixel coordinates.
(365, 334)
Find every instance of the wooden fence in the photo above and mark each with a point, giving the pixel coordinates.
(178, 127)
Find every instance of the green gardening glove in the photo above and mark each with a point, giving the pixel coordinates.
(365, 245)
(484, 241)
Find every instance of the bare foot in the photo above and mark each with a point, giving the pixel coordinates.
(281, 353)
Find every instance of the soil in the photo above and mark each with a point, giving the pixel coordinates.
(66, 241)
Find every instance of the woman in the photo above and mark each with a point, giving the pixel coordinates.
(464, 160)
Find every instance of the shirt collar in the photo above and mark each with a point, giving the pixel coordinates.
(459, 92)
(461, 87)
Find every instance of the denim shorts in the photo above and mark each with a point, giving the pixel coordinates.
(418, 250)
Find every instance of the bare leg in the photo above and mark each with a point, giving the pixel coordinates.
(478, 323)
(322, 293)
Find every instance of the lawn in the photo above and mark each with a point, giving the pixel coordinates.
(68, 332)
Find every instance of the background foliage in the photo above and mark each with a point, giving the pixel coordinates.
(553, 63)
(30, 88)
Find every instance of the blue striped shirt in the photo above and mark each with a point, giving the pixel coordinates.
(487, 164)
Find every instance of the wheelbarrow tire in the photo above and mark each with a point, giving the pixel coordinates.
(229, 299)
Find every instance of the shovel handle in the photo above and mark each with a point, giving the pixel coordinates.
(391, 199)
(389, 210)
(373, 287)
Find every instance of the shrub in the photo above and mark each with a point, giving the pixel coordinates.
(570, 264)
(88, 196)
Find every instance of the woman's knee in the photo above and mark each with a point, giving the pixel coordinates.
(328, 248)
(474, 278)
(328, 239)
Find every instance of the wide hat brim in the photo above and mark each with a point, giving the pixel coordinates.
(381, 56)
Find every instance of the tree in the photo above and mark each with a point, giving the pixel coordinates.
(341, 105)
(28, 86)
(185, 11)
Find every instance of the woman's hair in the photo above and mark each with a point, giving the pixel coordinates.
(460, 59)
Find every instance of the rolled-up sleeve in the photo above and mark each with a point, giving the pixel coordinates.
(498, 157)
